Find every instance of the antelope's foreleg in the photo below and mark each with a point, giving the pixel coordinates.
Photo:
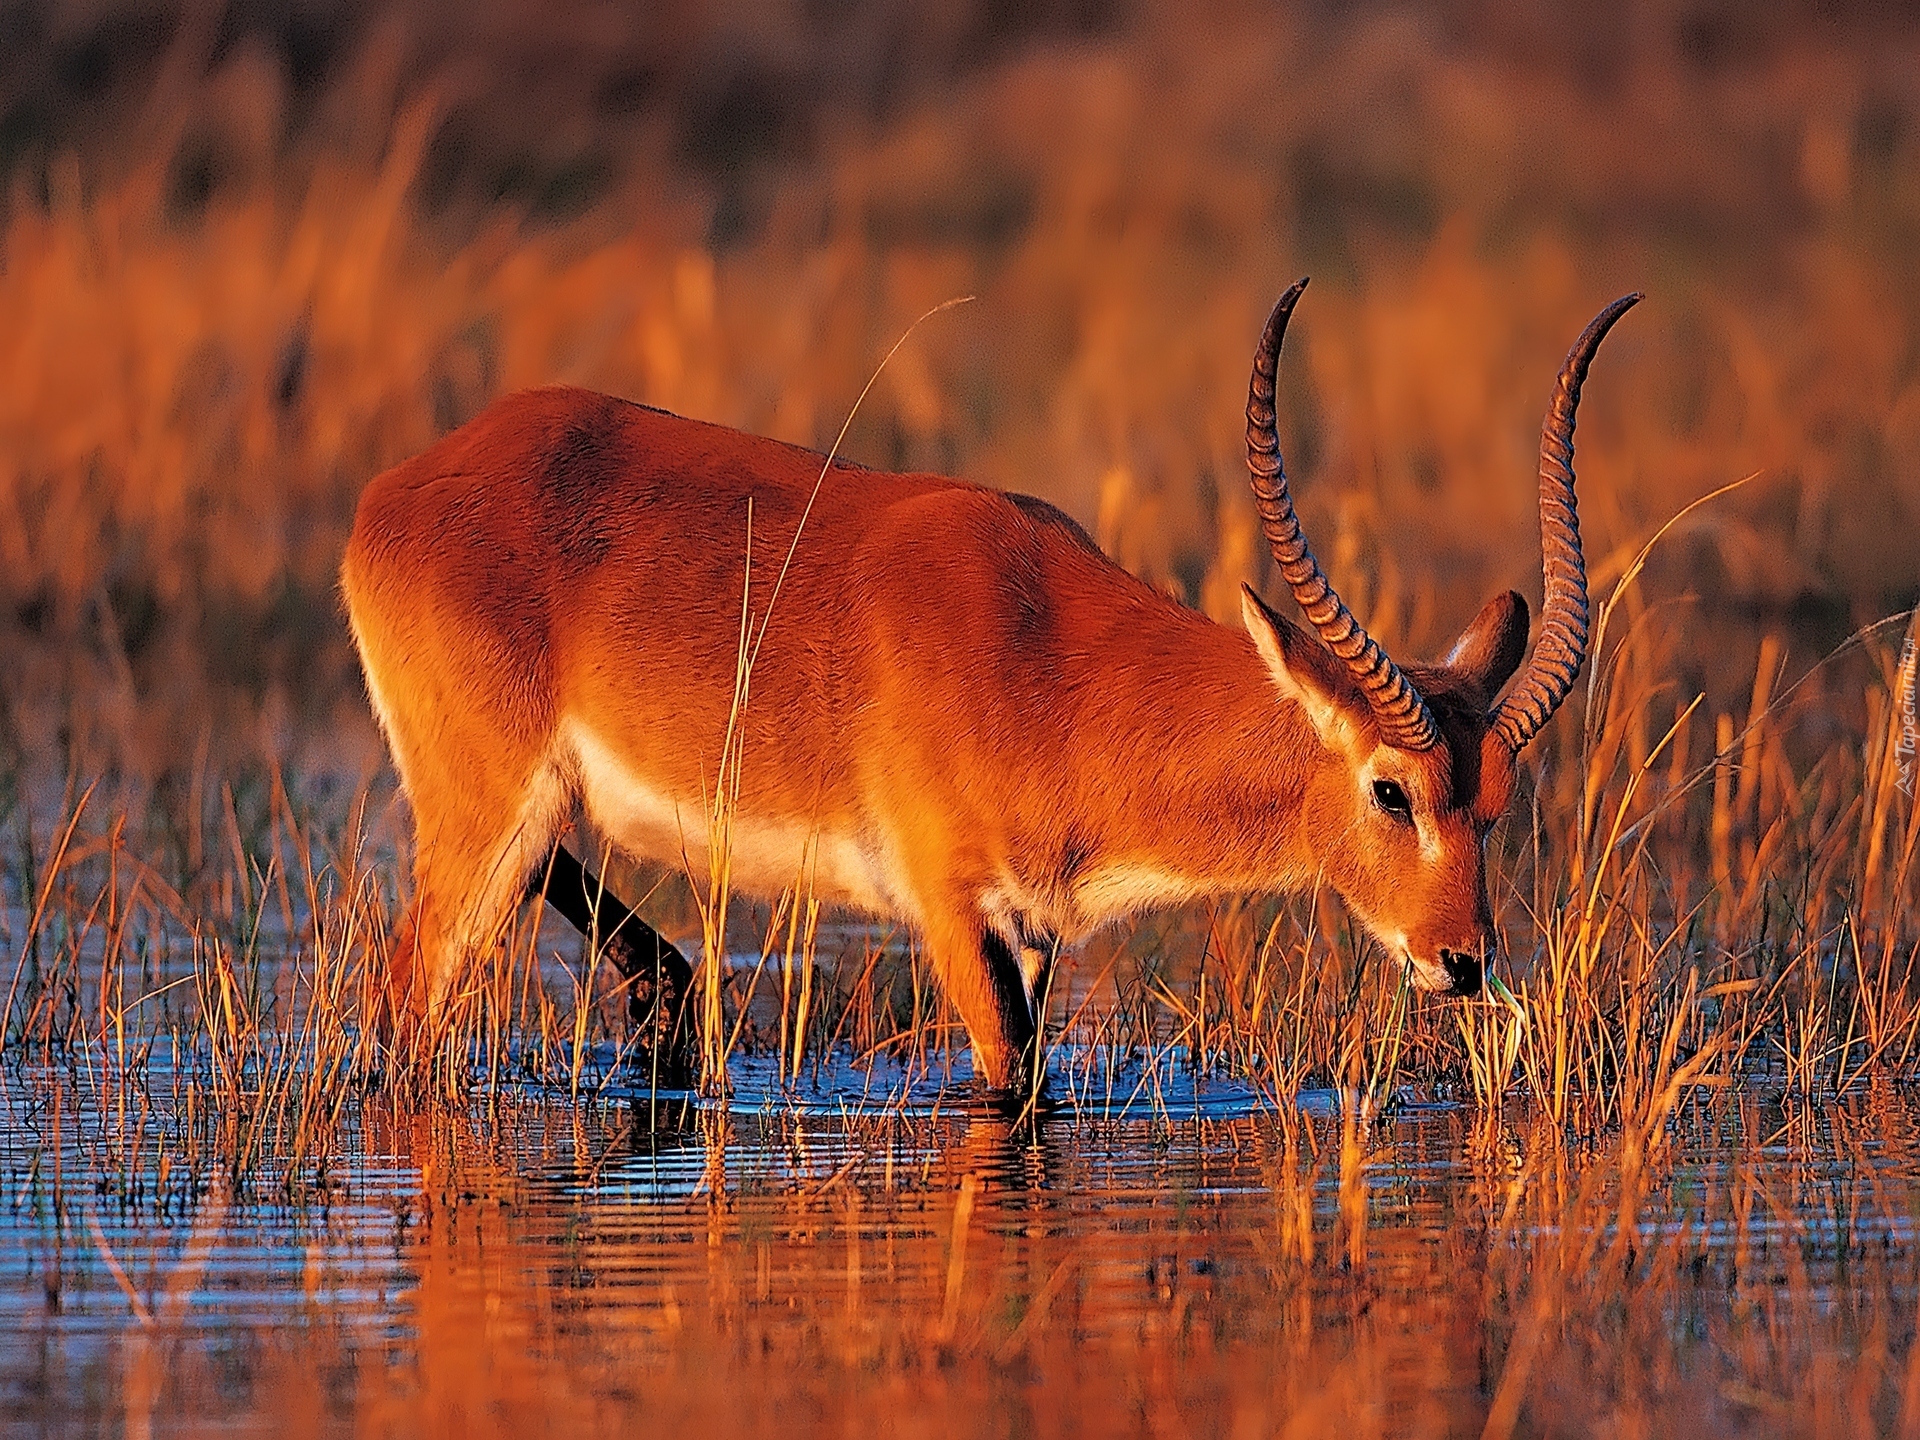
(983, 977)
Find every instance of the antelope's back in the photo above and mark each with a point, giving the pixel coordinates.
(571, 555)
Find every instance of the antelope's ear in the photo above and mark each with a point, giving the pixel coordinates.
(1301, 668)
(1492, 647)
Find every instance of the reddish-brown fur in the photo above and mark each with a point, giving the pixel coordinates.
(976, 721)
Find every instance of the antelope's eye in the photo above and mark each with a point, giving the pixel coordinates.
(1388, 795)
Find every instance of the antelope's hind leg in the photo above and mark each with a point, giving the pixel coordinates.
(470, 872)
(657, 976)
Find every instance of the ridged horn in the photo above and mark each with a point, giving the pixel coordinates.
(1562, 647)
(1405, 722)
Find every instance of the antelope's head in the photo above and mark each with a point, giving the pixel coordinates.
(1422, 757)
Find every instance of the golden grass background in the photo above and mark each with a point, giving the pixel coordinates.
(249, 257)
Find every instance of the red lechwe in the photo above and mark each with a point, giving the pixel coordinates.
(960, 713)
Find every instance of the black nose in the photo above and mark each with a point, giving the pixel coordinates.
(1463, 970)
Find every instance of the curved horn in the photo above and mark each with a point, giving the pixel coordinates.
(1563, 623)
(1405, 721)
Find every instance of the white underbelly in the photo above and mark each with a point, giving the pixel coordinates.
(763, 855)
(1104, 896)
(1117, 891)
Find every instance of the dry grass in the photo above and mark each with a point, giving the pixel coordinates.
(1687, 905)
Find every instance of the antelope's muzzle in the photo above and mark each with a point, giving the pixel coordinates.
(1463, 972)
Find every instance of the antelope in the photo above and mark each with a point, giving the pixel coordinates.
(962, 716)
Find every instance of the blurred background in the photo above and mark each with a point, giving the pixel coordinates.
(253, 253)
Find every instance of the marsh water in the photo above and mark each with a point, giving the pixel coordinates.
(877, 1252)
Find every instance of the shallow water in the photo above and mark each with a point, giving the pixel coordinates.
(880, 1252)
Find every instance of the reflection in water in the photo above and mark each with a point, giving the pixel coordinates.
(942, 1269)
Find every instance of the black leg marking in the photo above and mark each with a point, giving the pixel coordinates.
(1039, 949)
(1010, 982)
(657, 975)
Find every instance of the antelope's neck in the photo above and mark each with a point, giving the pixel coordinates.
(1206, 772)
